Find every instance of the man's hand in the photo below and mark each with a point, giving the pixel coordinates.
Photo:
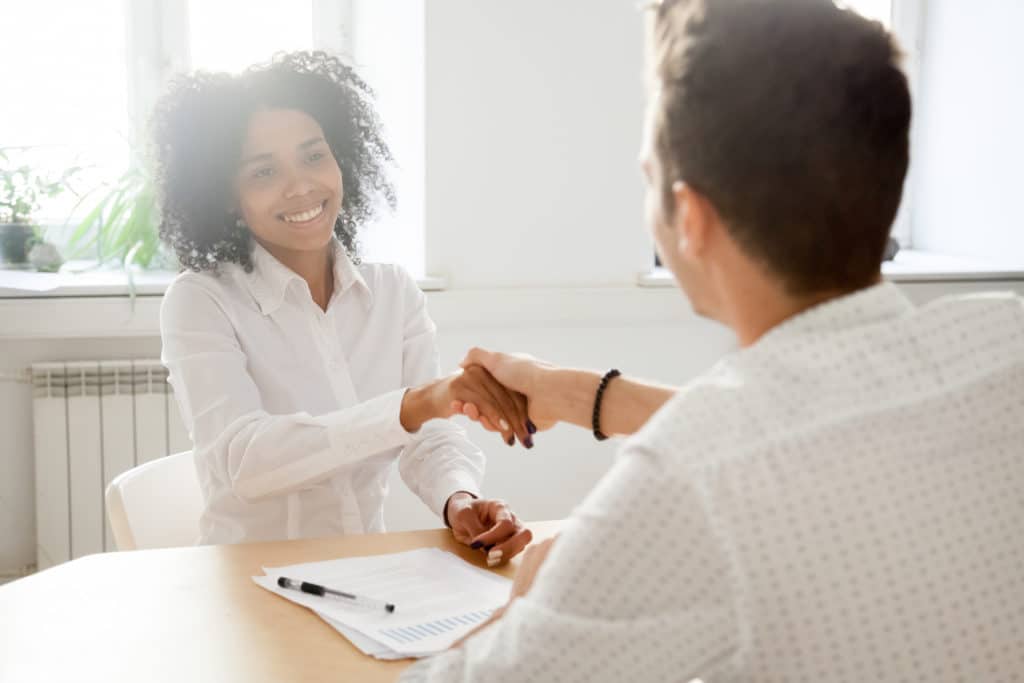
(554, 394)
(519, 373)
(487, 525)
(528, 568)
(504, 409)
(525, 575)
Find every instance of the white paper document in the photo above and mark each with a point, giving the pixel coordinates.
(438, 598)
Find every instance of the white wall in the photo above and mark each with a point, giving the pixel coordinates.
(533, 119)
(388, 47)
(970, 136)
(533, 112)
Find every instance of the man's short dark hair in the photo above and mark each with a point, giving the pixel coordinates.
(792, 117)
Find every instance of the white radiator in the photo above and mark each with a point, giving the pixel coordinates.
(94, 420)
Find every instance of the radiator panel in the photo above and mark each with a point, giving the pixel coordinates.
(94, 420)
(117, 410)
(85, 463)
(53, 495)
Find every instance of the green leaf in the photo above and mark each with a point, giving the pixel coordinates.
(122, 219)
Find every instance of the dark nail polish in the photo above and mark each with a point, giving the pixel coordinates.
(511, 441)
(530, 427)
(488, 547)
(528, 443)
(476, 545)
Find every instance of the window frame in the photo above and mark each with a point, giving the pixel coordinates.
(907, 23)
(158, 45)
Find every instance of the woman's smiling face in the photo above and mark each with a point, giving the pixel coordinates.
(289, 186)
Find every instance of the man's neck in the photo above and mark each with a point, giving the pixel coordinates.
(757, 304)
(774, 311)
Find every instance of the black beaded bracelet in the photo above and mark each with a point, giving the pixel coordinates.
(596, 420)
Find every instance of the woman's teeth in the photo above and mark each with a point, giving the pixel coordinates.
(305, 215)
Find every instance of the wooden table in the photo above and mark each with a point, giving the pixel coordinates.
(192, 614)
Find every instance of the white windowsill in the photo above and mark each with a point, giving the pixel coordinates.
(114, 283)
(908, 266)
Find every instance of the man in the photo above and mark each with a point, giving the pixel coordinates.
(840, 499)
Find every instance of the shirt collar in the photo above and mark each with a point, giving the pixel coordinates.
(867, 306)
(270, 279)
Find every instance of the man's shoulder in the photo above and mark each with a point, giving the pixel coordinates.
(976, 332)
(996, 305)
(709, 418)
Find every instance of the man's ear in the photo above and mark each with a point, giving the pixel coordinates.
(693, 219)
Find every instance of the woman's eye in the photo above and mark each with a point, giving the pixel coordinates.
(316, 156)
(264, 172)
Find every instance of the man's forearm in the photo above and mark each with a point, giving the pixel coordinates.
(626, 405)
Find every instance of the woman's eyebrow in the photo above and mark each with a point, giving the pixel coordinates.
(267, 156)
(310, 142)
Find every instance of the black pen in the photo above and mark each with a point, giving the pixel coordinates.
(323, 591)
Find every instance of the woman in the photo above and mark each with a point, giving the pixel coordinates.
(303, 375)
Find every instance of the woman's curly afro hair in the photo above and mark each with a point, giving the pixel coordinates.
(199, 127)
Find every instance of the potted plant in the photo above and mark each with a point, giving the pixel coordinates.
(22, 193)
(121, 225)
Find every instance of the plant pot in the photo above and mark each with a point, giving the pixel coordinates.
(15, 241)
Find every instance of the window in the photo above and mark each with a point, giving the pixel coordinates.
(65, 100)
(278, 26)
(86, 98)
(880, 10)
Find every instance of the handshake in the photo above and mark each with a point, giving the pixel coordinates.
(503, 392)
(517, 395)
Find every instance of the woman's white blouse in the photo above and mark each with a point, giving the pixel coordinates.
(293, 411)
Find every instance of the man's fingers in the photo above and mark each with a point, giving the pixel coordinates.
(485, 404)
(503, 401)
(478, 356)
(487, 424)
(529, 567)
(511, 547)
(471, 411)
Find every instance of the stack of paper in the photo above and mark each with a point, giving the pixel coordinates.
(438, 598)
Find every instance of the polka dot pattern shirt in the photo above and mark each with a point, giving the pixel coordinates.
(842, 501)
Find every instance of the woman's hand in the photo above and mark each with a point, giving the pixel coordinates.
(505, 410)
(487, 525)
(519, 373)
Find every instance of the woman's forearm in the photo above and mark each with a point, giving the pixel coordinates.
(419, 405)
(626, 405)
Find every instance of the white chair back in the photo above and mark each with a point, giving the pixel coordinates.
(156, 505)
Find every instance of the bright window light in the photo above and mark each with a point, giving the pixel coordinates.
(880, 10)
(230, 35)
(65, 101)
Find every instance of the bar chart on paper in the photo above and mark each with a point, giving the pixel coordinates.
(438, 599)
(416, 633)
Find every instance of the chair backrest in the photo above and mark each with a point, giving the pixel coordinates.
(156, 505)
